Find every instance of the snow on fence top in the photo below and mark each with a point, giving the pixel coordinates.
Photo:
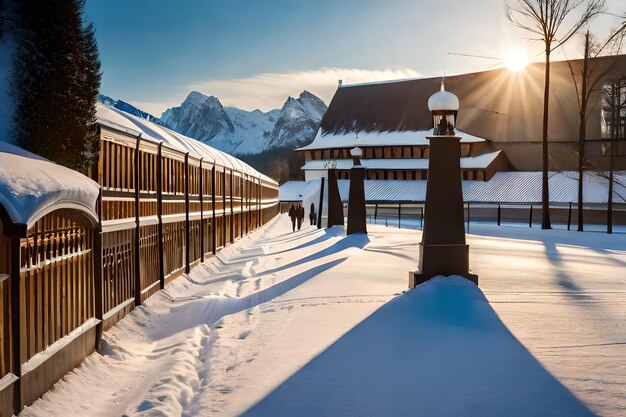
(376, 138)
(119, 120)
(504, 187)
(31, 187)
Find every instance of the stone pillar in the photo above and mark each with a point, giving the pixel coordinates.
(356, 201)
(443, 250)
(335, 207)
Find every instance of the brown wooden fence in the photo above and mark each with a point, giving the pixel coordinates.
(64, 279)
(164, 210)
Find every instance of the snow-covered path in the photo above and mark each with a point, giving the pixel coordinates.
(263, 312)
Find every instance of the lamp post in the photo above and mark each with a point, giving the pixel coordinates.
(356, 202)
(443, 250)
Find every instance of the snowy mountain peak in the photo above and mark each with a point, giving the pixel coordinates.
(199, 116)
(128, 108)
(242, 132)
(298, 121)
(199, 100)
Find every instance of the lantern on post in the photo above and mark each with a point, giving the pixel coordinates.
(443, 250)
(356, 201)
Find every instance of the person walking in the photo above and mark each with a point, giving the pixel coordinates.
(300, 215)
(293, 214)
(312, 215)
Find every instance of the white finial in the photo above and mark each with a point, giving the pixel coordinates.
(443, 85)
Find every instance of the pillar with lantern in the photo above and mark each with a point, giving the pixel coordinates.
(356, 198)
(443, 250)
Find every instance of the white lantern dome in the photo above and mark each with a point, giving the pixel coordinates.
(443, 100)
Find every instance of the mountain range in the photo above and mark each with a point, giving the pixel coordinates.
(238, 132)
(241, 132)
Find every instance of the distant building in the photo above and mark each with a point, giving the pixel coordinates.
(500, 121)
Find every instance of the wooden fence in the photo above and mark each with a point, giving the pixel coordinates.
(64, 279)
(165, 210)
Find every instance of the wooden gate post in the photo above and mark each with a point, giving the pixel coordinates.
(160, 216)
(97, 274)
(224, 208)
(187, 240)
(16, 327)
(201, 181)
(232, 210)
(213, 231)
(137, 260)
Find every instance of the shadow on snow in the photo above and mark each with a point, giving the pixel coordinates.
(438, 350)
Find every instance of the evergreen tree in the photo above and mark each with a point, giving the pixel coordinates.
(89, 93)
(2, 17)
(57, 77)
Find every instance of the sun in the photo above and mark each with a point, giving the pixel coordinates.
(516, 61)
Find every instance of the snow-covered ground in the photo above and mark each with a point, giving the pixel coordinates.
(315, 323)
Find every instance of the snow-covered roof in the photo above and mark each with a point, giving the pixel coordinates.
(503, 187)
(469, 162)
(375, 138)
(117, 119)
(31, 187)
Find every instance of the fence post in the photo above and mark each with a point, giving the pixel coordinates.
(224, 207)
(421, 217)
(16, 322)
(569, 216)
(201, 193)
(97, 273)
(187, 234)
(321, 205)
(530, 217)
(213, 226)
(468, 217)
(499, 214)
(399, 214)
(375, 212)
(137, 260)
(232, 210)
(160, 215)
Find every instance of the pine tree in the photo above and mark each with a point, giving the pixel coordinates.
(57, 77)
(90, 90)
(2, 17)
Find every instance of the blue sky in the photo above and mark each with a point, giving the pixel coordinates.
(255, 53)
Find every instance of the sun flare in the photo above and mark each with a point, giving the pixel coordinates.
(516, 61)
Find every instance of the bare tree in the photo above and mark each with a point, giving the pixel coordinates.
(550, 22)
(615, 105)
(279, 168)
(586, 76)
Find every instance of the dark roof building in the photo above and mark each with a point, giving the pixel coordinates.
(502, 107)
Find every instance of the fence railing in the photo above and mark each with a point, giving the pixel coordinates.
(411, 215)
